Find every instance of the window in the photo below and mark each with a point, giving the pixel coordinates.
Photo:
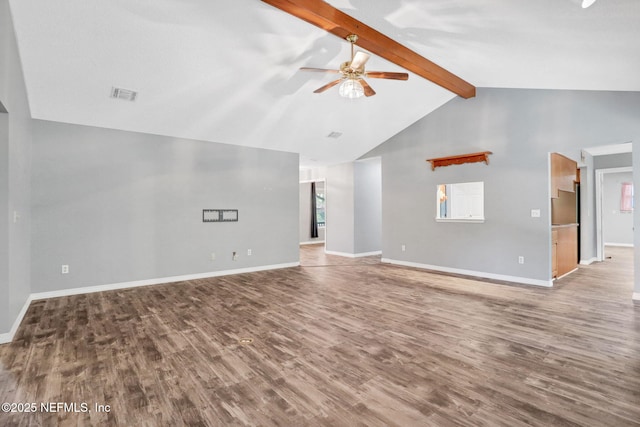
(320, 207)
(462, 202)
(626, 198)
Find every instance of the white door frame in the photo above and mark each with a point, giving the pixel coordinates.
(599, 184)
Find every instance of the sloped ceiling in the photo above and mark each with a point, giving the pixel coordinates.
(227, 71)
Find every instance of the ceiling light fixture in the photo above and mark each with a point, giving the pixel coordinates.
(351, 88)
(587, 3)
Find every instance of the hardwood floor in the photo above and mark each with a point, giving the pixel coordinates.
(346, 344)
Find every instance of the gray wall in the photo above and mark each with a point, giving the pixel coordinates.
(588, 240)
(354, 207)
(617, 227)
(636, 215)
(340, 209)
(520, 127)
(610, 161)
(368, 206)
(5, 319)
(15, 168)
(120, 206)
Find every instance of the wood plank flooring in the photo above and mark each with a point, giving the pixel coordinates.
(335, 343)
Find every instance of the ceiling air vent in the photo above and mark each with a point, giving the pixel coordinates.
(334, 135)
(124, 94)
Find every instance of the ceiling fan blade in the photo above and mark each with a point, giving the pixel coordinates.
(319, 70)
(368, 91)
(323, 15)
(387, 75)
(359, 59)
(327, 86)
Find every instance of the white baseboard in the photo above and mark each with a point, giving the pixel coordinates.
(481, 274)
(636, 296)
(363, 254)
(8, 337)
(312, 242)
(588, 261)
(620, 245)
(348, 255)
(344, 254)
(566, 274)
(160, 281)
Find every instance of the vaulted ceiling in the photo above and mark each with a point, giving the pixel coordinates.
(228, 71)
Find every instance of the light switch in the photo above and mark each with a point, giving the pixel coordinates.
(535, 213)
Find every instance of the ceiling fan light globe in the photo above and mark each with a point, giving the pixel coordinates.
(351, 88)
(587, 3)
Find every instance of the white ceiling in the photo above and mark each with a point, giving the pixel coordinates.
(227, 71)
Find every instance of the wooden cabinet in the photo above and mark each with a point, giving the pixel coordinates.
(564, 215)
(563, 174)
(564, 208)
(565, 249)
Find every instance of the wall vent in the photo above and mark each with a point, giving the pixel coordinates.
(124, 94)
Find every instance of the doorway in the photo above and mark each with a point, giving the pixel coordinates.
(313, 199)
(602, 163)
(614, 209)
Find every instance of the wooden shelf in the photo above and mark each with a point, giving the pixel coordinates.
(482, 156)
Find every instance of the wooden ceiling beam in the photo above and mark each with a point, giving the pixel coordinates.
(338, 23)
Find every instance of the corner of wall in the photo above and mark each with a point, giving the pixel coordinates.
(15, 283)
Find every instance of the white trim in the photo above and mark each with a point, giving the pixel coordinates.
(620, 245)
(566, 274)
(309, 181)
(599, 235)
(312, 242)
(472, 220)
(159, 281)
(348, 255)
(603, 150)
(599, 184)
(588, 261)
(8, 337)
(636, 296)
(344, 254)
(515, 279)
(363, 254)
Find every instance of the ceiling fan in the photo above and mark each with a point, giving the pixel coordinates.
(323, 15)
(353, 73)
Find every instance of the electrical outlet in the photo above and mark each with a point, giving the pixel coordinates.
(535, 213)
(404, 248)
(213, 256)
(520, 260)
(249, 252)
(65, 269)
